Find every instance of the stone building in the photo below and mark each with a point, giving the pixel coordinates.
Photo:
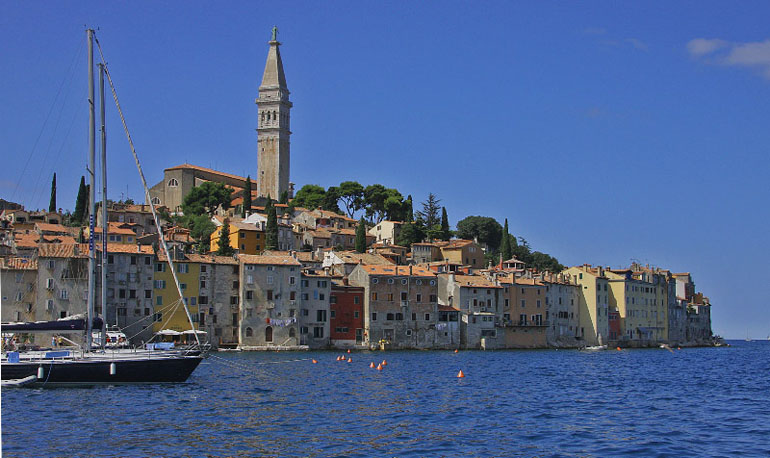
(269, 301)
(315, 293)
(62, 283)
(18, 279)
(273, 132)
(594, 303)
(400, 305)
(478, 300)
(218, 296)
(562, 314)
(180, 180)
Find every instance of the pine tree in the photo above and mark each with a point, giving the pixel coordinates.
(361, 236)
(52, 204)
(271, 238)
(81, 202)
(224, 248)
(246, 198)
(505, 249)
(445, 233)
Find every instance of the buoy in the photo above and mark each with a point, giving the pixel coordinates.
(460, 374)
(350, 360)
(348, 350)
(678, 348)
(338, 358)
(455, 350)
(618, 348)
(40, 372)
(379, 367)
(371, 365)
(113, 368)
(315, 362)
(384, 363)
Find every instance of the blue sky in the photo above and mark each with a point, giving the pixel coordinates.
(605, 132)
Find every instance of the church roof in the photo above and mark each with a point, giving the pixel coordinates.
(274, 76)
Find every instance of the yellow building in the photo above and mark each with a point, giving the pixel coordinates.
(594, 303)
(638, 302)
(244, 237)
(463, 252)
(169, 312)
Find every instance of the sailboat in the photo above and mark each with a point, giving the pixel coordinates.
(89, 365)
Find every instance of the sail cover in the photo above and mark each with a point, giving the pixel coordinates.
(68, 324)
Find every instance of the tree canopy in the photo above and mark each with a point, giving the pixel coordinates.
(246, 198)
(206, 198)
(351, 194)
(52, 203)
(483, 228)
(309, 196)
(430, 211)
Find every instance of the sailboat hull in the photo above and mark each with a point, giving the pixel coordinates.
(103, 371)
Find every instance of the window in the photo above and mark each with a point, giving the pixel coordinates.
(269, 279)
(304, 296)
(403, 295)
(538, 303)
(146, 311)
(111, 259)
(172, 183)
(399, 316)
(233, 300)
(375, 281)
(122, 293)
(203, 284)
(390, 281)
(414, 317)
(160, 267)
(270, 294)
(356, 300)
(133, 260)
(159, 300)
(390, 317)
(183, 285)
(203, 300)
(320, 315)
(304, 283)
(132, 294)
(433, 298)
(432, 282)
(148, 294)
(418, 282)
(236, 284)
(403, 281)
(203, 269)
(63, 294)
(427, 317)
(374, 296)
(355, 314)
(292, 280)
(318, 332)
(333, 314)
(523, 303)
(292, 295)
(249, 295)
(249, 332)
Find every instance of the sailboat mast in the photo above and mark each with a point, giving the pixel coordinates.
(104, 207)
(92, 191)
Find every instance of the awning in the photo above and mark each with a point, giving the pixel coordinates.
(190, 331)
(168, 332)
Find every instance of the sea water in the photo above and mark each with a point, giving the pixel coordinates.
(647, 403)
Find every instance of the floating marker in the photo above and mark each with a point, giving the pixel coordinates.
(348, 350)
(678, 348)
(618, 348)
(384, 363)
(350, 360)
(460, 374)
(315, 362)
(371, 365)
(379, 367)
(455, 350)
(40, 372)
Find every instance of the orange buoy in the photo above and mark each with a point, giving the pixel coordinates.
(379, 367)
(618, 348)
(315, 362)
(678, 348)
(455, 350)
(348, 350)
(371, 365)
(384, 363)
(350, 360)
(460, 374)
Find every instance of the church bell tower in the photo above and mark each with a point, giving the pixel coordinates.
(273, 133)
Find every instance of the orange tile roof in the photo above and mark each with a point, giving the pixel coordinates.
(48, 227)
(58, 239)
(447, 308)
(63, 250)
(268, 260)
(397, 270)
(475, 281)
(124, 248)
(352, 257)
(456, 244)
(204, 169)
(114, 228)
(22, 240)
(18, 263)
(304, 256)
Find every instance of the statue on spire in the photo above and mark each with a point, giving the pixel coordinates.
(275, 33)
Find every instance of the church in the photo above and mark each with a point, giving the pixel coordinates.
(273, 159)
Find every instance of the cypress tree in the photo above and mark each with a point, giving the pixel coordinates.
(361, 236)
(284, 198)
(246, 197)
(81, 202)
(409, 209)
(224, 248)
(444, 225)
(52, 204)
(506, 250)
(271, 238)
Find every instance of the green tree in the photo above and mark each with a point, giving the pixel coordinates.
(410, 233)
(331, 198)
(271, 236)
(351, 194)
(309, 196)
(361, 236)
(408, 209)
(224, 248)
(445, 232)
(206, 198)
(483, 228)
(201, 227)
(505, 248)
(246, 198)
(430, 211)
(284, 199)
(52, 203)
(80, 203)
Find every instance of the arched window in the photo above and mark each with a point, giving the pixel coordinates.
(249, 332)
(155, 201)
(268, 334)
(173, 183)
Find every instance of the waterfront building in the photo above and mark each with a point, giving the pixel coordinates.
(594, 303)
(346, 315)
(478, 300)
(62, 282)
(18, 280)
(562, 308)
(273, 126)
(218, 298)
(270, 288)
(169, 313)
(315, 294)
(524, 312)
(634, 298)
(400, 305)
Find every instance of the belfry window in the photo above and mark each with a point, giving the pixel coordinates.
(173, 183)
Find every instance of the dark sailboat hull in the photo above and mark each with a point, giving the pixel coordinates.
(102, 372)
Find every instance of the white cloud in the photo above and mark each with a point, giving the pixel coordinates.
(701, 46)
(754, 55)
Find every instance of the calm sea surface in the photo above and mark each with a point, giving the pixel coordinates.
(694, 402)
